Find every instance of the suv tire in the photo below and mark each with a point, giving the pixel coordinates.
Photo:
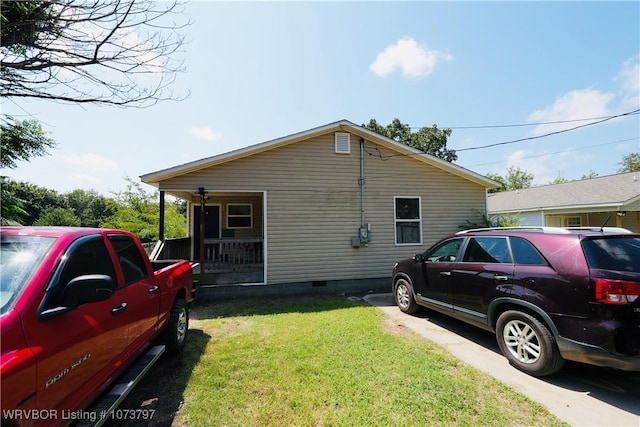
(528, 344)
(403, 292)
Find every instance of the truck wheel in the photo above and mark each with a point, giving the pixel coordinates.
(175, 334)
(528, 344)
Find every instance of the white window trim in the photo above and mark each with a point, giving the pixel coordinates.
(569, 218)
(395, 220)
(250, 216)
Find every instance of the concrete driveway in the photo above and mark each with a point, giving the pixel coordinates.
(581, 395)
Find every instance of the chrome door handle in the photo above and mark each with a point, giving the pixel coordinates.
(445, 273)
(119, 309)
(501, 278)
(154, 289)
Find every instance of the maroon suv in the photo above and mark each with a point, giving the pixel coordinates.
(549, 294)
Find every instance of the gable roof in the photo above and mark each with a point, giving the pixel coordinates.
(607, 192)
(154, 178)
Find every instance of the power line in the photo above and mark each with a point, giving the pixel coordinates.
(558, 152)
(526, 124)
(629, 113)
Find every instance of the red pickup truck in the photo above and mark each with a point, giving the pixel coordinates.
(78, 306)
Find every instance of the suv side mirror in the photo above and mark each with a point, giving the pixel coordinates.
(418, 258)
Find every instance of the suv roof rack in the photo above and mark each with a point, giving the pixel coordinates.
(550, 230)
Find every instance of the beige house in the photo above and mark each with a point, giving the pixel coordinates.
(613, 200)
(332, 207)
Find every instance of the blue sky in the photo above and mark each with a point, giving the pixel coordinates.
(257, 71)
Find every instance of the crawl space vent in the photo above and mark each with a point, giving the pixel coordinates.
(343, 143)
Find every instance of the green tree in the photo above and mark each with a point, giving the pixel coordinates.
(514, 179)
(21, 140)
(491, 221)
(589, 175)
(58, 216)
(430, 140)
(559, 180)
(11, 206)
(91, 207)
(138, 213)
(33, 199)
(630, 163)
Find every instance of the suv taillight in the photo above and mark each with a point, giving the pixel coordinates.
(616, 291)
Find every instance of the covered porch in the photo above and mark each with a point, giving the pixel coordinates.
(225, 237)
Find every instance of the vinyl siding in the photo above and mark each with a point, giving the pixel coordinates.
(313, 205)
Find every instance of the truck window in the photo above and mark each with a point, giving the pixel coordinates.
(87, 255)
(130, 259)
(19, 259)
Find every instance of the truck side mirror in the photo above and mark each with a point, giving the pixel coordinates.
(87, 289)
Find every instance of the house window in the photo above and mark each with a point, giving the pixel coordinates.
(240, 216)
(408, 220)
(574, 221)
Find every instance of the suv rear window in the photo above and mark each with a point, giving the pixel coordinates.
(613, 253)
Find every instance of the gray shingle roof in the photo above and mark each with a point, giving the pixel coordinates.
(611, 190)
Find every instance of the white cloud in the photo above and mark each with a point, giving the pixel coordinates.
(546, 166)
(629, 81)
(90, 161)
(407, 55)
(204, 132)
(574, 105)
(86, 181)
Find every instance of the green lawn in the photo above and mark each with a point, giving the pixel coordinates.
(320, 361)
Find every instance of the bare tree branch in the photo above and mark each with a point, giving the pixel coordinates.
(101, 51)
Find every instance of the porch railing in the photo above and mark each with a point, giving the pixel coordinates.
(219, 254)
(225, 254)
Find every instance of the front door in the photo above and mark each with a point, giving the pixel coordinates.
(211, 229)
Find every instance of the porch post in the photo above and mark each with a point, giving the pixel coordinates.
(161, 219)
(203, 199)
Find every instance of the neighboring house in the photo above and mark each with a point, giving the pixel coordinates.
(331, 207)
(613, 200)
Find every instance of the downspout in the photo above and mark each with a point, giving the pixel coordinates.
(361, 182)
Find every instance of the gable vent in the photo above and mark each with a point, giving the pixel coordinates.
(343, 143)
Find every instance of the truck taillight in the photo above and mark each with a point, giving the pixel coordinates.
(616, 291)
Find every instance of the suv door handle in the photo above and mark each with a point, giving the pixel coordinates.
(118, 309)
(501, 278)
(154, 289)
(445, 273)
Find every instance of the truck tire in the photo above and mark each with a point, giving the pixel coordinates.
(175, 334)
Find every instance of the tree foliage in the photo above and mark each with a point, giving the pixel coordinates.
(11, 207)
(430, 140)
(101, 51)
(133, 209)
(138, 212)
(484, 220)
(21, 140)
(34, 200)
(630, 163)
(58, 216)
(514, 179)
